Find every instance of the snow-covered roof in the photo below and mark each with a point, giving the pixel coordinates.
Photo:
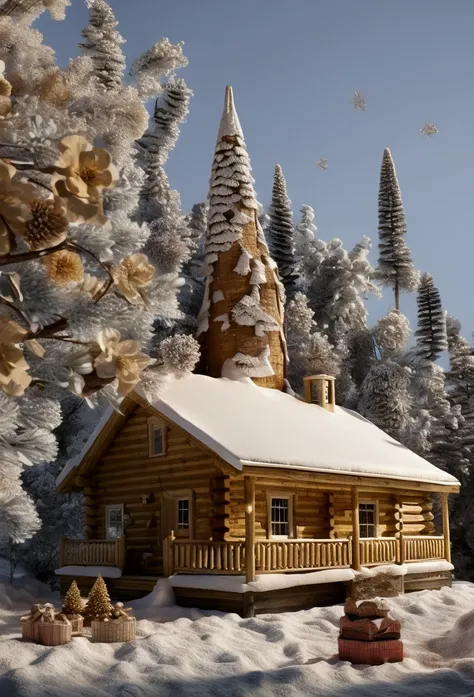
(250, 425)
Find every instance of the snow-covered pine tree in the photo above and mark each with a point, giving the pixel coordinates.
(103, 45)
(395, 266)
(192, 291)
(280, 234)
(460, 377)
(309, 251)
(385, 398)
(170, 242)
(74, 277)
(309, 351)
(337, 292)
(431, 339)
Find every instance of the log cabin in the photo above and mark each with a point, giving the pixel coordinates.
(249, 497)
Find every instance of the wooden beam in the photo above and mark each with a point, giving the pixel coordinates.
(355, 529)
(345, 481)
(446, 535)
(249, 499)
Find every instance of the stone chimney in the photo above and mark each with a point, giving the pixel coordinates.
(320, 390)
(241, 319)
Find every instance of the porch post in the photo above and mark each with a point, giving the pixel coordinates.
(447, 539)
(355, 529)
(249, 498)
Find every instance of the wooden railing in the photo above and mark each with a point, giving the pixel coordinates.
(295, 555)
(201, 556)
(421, 548)
(379, 550)
(280, 556)
(93, 552)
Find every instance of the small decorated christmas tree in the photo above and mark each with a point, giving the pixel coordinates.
(98, 605)
(73, 603)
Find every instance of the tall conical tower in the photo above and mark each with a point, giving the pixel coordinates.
(241, 319)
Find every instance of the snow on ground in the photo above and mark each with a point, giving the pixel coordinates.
(199, 654)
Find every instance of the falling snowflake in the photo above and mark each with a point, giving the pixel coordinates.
(322, 164)
(359, 102)
(429, 129)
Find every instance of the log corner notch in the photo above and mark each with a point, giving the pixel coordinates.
(249, 497)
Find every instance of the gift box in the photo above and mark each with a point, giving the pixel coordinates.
(369, 630)
(45, 626)
(370, 653)
(120, 626)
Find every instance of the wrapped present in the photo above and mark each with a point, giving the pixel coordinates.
(120, 626)
(369, 629)
(370, 653)
(45, 626)
(55, 632)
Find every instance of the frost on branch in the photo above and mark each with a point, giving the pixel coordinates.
(385, 398)
(102, 44)
(391, 333)
(156, 63)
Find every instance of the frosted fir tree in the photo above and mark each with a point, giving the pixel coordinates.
(78, 297)
(103, 45)
(385, 398)
(98, 605)
(395, 266)
(170, 242)
(460, 377)
(391, 334)
(338, 290)
(309, 251)
(431, 338)
(280, 234)
(192, 291)
(309, 351)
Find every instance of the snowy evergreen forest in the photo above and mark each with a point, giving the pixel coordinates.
(104, 290)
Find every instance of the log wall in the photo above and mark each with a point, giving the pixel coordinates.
(310, 509)
(126, 474)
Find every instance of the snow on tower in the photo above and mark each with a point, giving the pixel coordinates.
(241, 319)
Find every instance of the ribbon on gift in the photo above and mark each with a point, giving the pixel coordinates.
(40, 613)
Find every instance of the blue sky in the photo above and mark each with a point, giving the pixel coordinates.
(294, 66)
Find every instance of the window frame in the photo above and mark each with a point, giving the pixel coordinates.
(108, 508)
(154, 423)
(175, 496)
(290, 497)
(375, 504)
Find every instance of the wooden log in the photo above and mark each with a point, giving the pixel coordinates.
(446, 535)
(355, 529)
(249, 499)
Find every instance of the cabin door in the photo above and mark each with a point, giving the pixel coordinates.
(177, 514)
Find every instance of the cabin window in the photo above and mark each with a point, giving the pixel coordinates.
(114, 521)
(183, 514)
(281, 513)
(368, 519)
(156, 437)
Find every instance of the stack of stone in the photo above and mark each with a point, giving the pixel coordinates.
(368, 634)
